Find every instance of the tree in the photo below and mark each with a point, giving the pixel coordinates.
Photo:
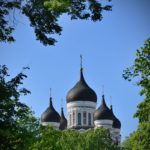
(5, 29)
(44, 15)
(18, 126)
(141, 72)
(51, 139)
(139, 140)
(99, 139)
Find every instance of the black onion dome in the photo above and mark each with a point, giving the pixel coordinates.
(63, 121)
(81, 91)
(50, 114)
(116, 122)
(103, 112)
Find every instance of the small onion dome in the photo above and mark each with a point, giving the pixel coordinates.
(116, 122)
(50, 114)
(81, 91)
(103, 112)
(63, 121)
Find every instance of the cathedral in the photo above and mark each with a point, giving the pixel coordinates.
(82, 113)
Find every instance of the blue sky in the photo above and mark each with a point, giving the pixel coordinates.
(108, 47)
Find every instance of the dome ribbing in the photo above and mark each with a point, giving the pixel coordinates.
(63, 121)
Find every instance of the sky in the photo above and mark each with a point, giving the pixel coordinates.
(108, 47)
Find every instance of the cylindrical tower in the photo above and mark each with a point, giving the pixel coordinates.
(81, 105)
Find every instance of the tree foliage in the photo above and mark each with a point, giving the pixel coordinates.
(17, 124)
(5, 29)
(44, 14)
(139, 140)
(51, 139)
(141, 72)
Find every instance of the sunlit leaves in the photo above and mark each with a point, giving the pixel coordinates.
(139, 140)
(58, 5)
(96, 139)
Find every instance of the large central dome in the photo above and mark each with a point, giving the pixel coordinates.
(81, 91)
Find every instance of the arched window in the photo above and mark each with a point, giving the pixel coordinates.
(89, 119)
(84, 118)
(70, 119)
(73, 118)
(79, 118)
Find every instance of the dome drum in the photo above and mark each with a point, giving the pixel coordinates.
(103, 123)
(81, 103)
(53, 124)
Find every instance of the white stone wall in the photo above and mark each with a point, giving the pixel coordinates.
(115, 132)
(103, 123)
(116, 135)
(53, 124)
(90, 107)
(80, 107)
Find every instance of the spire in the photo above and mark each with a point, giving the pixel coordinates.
(81, 70)
(50, 99)
(63, 121)
(111, 108)
(81, 75)
(62, 109)
(103, 100)
(62, 112)
(50, 102)
(81, 61)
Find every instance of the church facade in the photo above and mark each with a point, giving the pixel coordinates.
(82, 112)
